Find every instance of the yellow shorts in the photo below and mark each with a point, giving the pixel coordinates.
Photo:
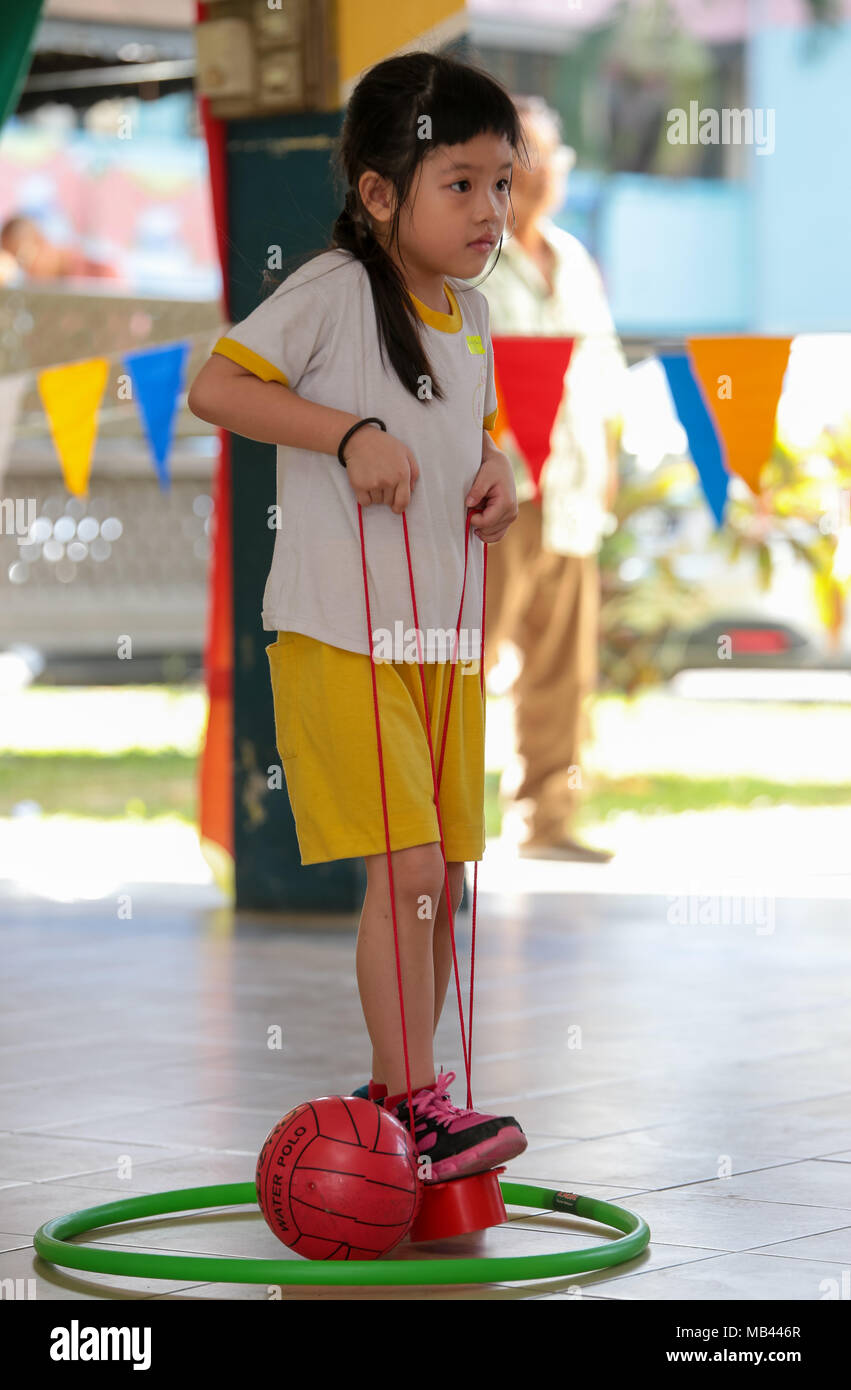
(326, 740)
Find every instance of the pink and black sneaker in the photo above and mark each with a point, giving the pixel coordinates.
(458, 1141)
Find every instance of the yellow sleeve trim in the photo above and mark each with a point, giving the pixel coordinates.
(490, 420)
(251, 361)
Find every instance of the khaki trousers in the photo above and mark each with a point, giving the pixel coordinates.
(548, 606)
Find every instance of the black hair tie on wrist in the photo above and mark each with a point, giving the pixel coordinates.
(369, 420)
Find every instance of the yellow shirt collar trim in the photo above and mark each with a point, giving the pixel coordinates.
(447, 323)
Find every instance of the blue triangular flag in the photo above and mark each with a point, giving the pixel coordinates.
(702, 439)
(157, 376)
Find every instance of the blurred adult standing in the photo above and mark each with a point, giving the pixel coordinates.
(543, 580)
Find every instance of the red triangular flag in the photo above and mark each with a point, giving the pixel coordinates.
(529, 376)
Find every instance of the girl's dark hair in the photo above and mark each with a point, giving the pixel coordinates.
(383, 130)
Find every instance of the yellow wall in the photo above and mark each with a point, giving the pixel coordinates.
(369, 30)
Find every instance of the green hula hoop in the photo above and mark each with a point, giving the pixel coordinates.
(51, 1243)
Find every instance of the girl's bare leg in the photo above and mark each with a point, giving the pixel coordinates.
(441, 956)
(443, 968)
(417, 881)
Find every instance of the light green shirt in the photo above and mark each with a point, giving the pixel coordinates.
(573, 481)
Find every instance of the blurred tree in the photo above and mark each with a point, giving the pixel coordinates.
(648, 607)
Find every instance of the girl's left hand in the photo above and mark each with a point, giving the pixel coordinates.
(494, 483)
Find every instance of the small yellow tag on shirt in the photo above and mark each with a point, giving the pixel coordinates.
(474, 343)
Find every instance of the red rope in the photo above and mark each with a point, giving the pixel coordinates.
(436, 776)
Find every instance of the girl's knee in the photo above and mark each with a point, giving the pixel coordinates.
(417, 872)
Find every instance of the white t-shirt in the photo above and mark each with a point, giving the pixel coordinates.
(318, 334)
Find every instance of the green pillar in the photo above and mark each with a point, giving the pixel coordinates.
(18, 22)
(280, 193)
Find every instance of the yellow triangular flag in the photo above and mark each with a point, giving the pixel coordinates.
(72, 395)
(742, 379)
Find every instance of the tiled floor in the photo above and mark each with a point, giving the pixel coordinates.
(698, 1075)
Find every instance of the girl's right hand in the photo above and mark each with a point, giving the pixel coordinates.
(381, 468)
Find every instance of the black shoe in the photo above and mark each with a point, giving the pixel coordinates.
(456, 1141)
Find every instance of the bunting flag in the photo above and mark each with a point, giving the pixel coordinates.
(529, 378)
(703, 442)
(71, 396)
(157, 374)
(742, 379)
(11, 392)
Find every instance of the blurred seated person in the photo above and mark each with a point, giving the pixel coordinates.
(41, 259)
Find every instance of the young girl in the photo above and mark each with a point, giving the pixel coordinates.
(426, 149)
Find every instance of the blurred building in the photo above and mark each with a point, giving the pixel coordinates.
(696, 237)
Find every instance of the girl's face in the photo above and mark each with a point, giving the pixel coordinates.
(456, 209)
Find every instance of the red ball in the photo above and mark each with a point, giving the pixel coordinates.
(337, 1179)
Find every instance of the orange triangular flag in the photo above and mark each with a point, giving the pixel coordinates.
(741, 379)
(71, 397)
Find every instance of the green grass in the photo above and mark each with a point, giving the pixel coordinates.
(153, 784)
(94, 784)
(669, 794)
(665, 794)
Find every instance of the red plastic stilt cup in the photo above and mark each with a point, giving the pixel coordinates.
(461, 1205)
